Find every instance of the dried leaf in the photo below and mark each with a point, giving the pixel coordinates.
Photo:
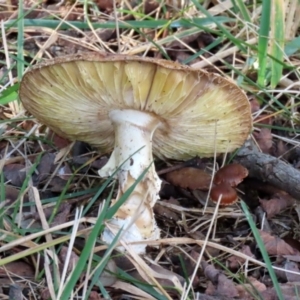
(291, 291)
(109, 276)
(62, 216)
(58, 141)
(276, 246)
(45, 294)
(15, 174)
(57, 184)
(280, 149)
(210, 289)
(72, 261)
(235, 262)
(64, 172)
(44, 167)
(226, 287)
(189, 178)
(264, 139)
(274, 206)
(254, 286)
(12, 194)
(105, 5)
(95, 296)
(19, 268)
(210, 272)
(165, 212)
(150, 6)
(255, 105)
(292, 266)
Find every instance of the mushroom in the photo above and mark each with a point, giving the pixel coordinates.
(133, 105)
(233, 174)
(227, 193)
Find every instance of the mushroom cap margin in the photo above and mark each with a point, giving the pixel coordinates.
(198, 110)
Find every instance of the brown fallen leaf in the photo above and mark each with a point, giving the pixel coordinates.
(63, 214)
(210, 289)
(291, 291)
(11, 195)
(274, 206)
(190, 178)
(109, 276)
(235, 262)
(264, 139)
(255, 105)
(276, 246)
(58, 141)
(45, 294)
(253, 286)
(166, 212)
(292, 266)
(293, 242)
(44, 167)
(65, 172)
(58, 184)
(280, 149)
(105, 5)
(15, 174)
(285, 271)
(224, 285)
(150, 6)
(48, 211)
(95, 296)
(63, 258)
(19, 268)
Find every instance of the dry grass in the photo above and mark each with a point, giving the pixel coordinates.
(234, 38)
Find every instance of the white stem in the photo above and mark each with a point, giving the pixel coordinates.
(133, 144)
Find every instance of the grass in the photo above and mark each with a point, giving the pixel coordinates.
(248, 44)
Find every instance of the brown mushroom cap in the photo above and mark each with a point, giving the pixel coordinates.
(229, 194)
(198, 111)
(232, 174)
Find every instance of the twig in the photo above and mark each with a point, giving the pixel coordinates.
(269, 169)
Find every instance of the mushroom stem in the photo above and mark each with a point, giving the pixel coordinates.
(132, 155)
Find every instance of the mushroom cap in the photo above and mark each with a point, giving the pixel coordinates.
(198, 111)
(233, 174)
(229, 194)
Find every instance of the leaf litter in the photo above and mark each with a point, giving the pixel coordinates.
(231, 266)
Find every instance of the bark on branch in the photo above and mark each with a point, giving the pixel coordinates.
(269, 169)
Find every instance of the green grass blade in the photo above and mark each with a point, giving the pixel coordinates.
(243, 10)
(263, 41)
(10, 94)
(263, 251)
(84, 255)
(145, 287)
(225, 32)
(277, 41)
(20, 41)
(152, 24)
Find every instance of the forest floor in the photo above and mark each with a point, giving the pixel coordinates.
(50, 190)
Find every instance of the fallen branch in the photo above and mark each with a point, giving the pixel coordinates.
(269, 169)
